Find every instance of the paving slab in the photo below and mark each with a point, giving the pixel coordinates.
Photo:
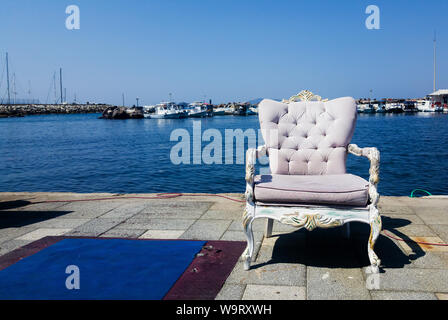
(441, 230)
(162, 234)
(123, 233)
(17, 219)
(206, 230)
(137, 222)
(11, 245)
(398, 220)
(60, 223)
(51, 206)
(86, 210)
(174, 210)
(433, 215)
(336, 284)
(413, 279)
(126, 210)
(402, 295)
(7, 234)
(222, 214)
(429, 260)
(231, 292)
(264, 292)
(420, 230)
(42, 233)
(269, 273)
(95, 227)
(394, 205)
(419, 244)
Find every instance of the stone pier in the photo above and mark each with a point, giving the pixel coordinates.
(290, 265)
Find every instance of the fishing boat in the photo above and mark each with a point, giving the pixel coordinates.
(394, 107)
(240, 110)
(425, 106)
(252, 111)
(440, 100)
(197, 110)
(166, 110)
(221, 111)
(366, 108)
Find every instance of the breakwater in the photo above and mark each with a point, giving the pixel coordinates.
(35, 109)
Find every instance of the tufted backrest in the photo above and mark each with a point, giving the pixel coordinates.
(308, 137)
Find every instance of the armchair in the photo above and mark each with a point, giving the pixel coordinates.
(307, 143)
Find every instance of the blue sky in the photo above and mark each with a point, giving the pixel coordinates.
(223, 50)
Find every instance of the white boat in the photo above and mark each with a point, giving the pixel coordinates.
(166, 110)
(222, 111)
(197, 110)
(440, 100)
(425, 106)
(394, 107)
(365, 108)
(252, 111)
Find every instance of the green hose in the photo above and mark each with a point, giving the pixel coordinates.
(413, 191)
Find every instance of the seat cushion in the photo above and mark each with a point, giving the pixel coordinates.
(337, 189)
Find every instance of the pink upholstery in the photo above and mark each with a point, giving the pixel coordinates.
(340, 189)
(307, 138)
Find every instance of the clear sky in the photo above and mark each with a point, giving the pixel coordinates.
(231, 50)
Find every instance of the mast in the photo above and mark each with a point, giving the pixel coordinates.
(14, 92)
(435, 61)
(7, 77)
(122, 97)
(60, 83)
(54, 87)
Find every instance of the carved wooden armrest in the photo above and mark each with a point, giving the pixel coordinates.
(251, 158)
(374, 157)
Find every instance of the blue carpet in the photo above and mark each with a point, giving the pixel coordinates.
(109, 269)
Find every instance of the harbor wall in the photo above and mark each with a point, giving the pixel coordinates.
(35, 109)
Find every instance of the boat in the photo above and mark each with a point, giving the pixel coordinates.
(394, 107)
(166, 110)
(366, 108)
(425, 106)
(240, 110)
(252, 111)
(197, 110)
(221, 111)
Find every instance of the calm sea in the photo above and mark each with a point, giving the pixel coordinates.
(80, 153)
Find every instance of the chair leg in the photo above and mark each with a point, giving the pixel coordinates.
(268, 230)
(375, 229)
(248, 218)
(347, 230)
(248, 253)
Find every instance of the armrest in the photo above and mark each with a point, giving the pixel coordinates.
(374, 157)
(251, 159)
